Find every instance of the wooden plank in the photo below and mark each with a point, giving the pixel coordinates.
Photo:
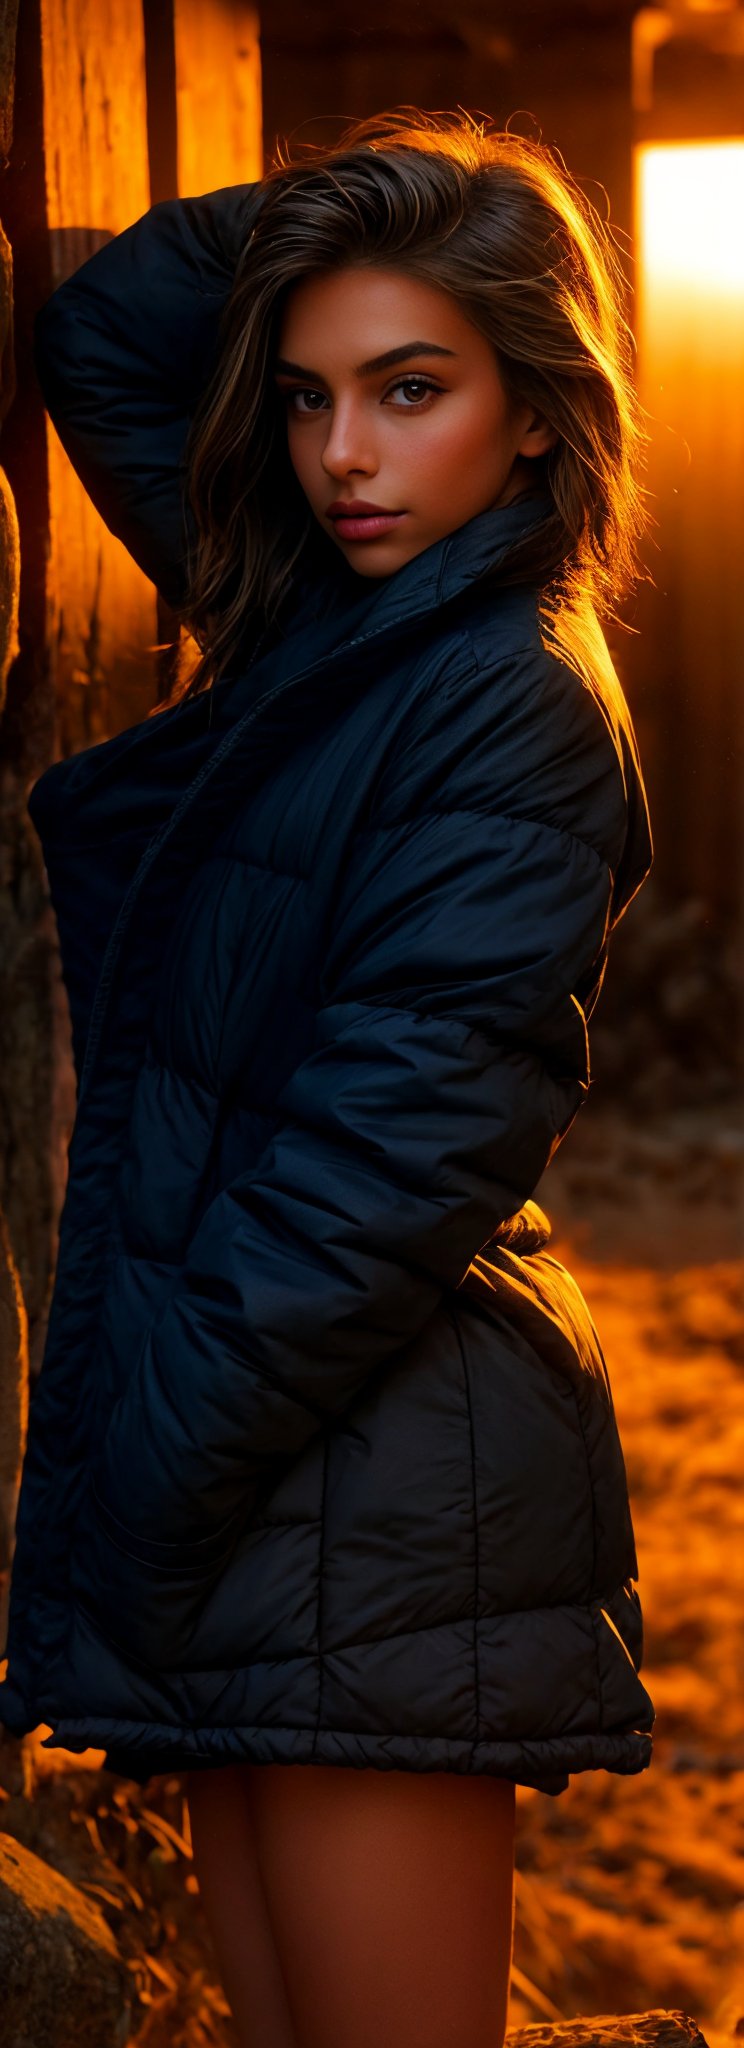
(33, 1137)
(8, 23)
(102, 619)
(218, 94)
(219, 142)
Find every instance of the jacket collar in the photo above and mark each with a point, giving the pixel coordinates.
(335, 612)
(331, 589)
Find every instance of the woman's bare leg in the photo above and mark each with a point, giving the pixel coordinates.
(391, 1897)
(232, 1896)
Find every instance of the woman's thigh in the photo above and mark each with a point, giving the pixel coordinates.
(232, 1895)
(391, 1897)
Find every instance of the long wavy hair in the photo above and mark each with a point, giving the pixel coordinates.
(496, 220)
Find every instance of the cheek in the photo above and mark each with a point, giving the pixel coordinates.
(457, 442)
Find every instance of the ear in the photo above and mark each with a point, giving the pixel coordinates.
(539, 436)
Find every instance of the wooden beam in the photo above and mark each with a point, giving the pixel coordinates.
(218, 94)
(102, 620)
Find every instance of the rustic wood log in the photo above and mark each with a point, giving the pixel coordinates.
(10, 547)
(25, 954)
(62, 1976)
(656, 2029)
(10, 563)
(8, 20)
(218, 94)
(102, 610)
(13, 1411)
(36, 1079)
(85, 664)
(216, 62)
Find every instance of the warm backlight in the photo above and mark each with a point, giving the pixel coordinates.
(690, 216)
(689, 324)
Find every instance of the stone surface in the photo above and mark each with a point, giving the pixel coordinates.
(63, 1980)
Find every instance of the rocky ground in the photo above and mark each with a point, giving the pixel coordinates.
(630, 1891)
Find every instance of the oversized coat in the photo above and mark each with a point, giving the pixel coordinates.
(323, 1463)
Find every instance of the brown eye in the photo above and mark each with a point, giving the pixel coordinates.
(422, 385)
(416, 384)
(303, 391)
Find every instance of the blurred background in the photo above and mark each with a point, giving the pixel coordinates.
(630, 1892)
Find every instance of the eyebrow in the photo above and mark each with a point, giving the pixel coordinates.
(392, 355)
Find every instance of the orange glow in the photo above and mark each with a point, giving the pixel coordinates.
(102, 617)
(689, 208)
(690, 213)
(689, 326)
(218, 94)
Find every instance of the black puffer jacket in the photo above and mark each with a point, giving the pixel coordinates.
(323, 1462)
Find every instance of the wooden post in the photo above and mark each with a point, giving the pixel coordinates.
(102, 618)
(79, 655)
(218, 94)
(31, 1142)
(80, 645)
(214, 48)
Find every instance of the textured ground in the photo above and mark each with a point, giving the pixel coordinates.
(630, 1891)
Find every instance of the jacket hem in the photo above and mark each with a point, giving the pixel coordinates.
(141, 1751)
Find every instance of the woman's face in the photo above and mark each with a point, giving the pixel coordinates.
(430, 438)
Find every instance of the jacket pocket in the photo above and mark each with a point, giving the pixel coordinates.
(204, 1553)
(144, 1599)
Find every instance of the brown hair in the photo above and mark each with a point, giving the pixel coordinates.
(496, 220)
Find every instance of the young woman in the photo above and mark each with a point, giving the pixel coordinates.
(324, 1502)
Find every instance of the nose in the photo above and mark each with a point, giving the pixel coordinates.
(349, 445)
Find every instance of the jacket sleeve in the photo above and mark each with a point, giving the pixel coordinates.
(122, 351)
(450, 1055)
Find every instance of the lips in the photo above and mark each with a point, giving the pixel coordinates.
(366, 526)
(359, 509)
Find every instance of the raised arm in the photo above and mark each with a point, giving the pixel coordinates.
(122, 351)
